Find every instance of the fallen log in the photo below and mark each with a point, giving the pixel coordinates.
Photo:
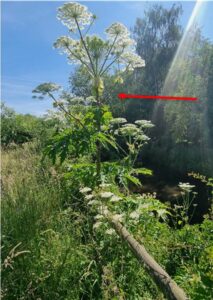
(162, 279)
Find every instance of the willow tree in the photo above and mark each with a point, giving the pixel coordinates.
(96, 56)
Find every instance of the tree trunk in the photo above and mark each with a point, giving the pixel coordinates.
(162, 279)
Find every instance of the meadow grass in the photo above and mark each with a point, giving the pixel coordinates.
(50, 252)
(48, 258)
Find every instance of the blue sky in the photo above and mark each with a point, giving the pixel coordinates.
(29, 30)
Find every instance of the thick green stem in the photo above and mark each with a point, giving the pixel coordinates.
(98, 144)
(98, 160)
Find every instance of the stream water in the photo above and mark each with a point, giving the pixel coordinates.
(167, 190)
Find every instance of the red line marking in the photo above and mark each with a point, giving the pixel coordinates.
(123, 96)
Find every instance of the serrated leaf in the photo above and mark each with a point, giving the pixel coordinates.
(143, 171)
(106, 140)
(133, 179)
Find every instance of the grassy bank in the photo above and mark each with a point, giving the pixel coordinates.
(50, 251)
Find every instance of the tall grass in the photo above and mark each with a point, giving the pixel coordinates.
(48, 259)
(49, 250)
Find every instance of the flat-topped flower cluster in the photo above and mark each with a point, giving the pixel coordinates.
(95, 53)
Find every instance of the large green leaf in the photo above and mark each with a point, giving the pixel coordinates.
(143, 171)
(133, 179)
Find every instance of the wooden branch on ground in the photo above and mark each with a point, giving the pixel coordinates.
(162, 279)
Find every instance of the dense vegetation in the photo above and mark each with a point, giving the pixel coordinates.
(91, 154)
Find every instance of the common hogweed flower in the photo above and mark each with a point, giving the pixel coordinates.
(129, 130)
(115, 199)
(110, 231)
(131, 61)
(92, 202)
(106, 195)
(142, 138)
(119, 32)
(129, 125)
(71, 12)
(118, 121)
(146, 196)
(57, 115)
(98, 217)
(91, 99)
(89, 197)
(77, 101)
(117, 29)
(144, 123)
(186, 187)
(104, 185)
(65, 43)
(85, 190)
(74, 50)
(134, 215)
(46, 88)
(97, 225)
(119, 46)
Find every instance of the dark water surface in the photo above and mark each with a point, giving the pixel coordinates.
(165, 184)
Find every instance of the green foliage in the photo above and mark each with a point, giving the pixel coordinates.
(184, 127)
(59, 247)
(57, 241)
(19, 129)
(80, 139)
(157, 36)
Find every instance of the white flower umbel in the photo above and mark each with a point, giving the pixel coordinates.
(115, 199)
(118, 121)
(57, 115)
(46, 88)
(142, 138)
(186, 187)
(104, 185)
(110, 231)
(98, 56)
(131, 61)
(73, 15)
(76, 101)
(106, 195)
(144, 123)
(73, 48)
(97, 225)
(134, 215)
(129, 125)
(89, 197)
(129, 130)
(117, 29)
(98, 217)
(85, 190)
(144, 206)
(65, 43)
(90, 100)
(92, 202)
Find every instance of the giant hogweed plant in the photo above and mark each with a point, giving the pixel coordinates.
(88, 125)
